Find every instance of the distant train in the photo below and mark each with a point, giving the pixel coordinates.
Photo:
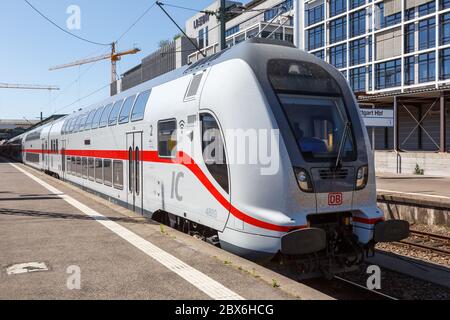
(145, 149)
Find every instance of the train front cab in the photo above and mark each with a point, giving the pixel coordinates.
(322, 199)
(331, 158)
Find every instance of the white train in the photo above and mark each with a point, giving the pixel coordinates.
(145, 149)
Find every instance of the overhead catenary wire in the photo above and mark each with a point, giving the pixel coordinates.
(92, 64)
(64, 30)
(84, 97)
(189, 9)
(136, 22)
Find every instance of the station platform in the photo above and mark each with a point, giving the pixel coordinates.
(59, 242)
(419, 199)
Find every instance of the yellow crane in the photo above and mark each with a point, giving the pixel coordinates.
(113, 56)
(27, 86)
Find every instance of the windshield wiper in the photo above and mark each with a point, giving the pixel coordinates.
(341, 145)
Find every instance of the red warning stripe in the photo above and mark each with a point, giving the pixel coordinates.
(188, 162)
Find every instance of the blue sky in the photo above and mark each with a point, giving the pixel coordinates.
(30, 45)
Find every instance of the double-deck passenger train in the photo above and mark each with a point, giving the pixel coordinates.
(145, 149)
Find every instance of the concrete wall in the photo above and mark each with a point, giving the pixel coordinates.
(434, 164)
(415, 210)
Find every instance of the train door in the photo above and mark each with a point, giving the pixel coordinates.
(44, 154)
(134, 172)
(63, 159)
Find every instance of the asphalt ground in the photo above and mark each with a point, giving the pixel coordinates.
(93, 249)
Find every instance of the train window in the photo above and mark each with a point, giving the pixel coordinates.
(91, 169)
(115, 113)
(118, 174)
(214, 150)
(96, 119)
(78, 162)
(69, 162)
(125, 113)
(63, 128)
(167, 140)
(318, 125)
(88, 124)
(107, 172)
(83, 121)
(105, 116)
(76, 125)
(84, 170)
(99, 170)
(139, 106)
(71, 125)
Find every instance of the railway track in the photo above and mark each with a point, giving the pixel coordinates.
(428, 241)
(357, 286)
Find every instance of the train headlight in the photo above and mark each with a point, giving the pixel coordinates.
(303, 180)
(362, 177)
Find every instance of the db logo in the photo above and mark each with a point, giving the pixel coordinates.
(335, 199)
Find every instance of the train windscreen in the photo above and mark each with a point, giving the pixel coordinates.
(319, 126)
(312, 103)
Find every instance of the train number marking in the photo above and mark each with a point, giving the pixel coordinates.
(335, 199)
(175, 184)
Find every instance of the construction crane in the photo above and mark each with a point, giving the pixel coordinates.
(27, 86)
(113, 56)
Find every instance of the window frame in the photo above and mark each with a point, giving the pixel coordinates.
(117, 106)
(174, 120)
(106, 182)
(99, 111)
(219, 127)
(91, 169)
(108, 109)
(98, 179)
(132, 114)
(114, 164)
(121, 118)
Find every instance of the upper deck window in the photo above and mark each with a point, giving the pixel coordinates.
(96, 120)
(126, 109)
(115, 113)
(105, 116)
(139, 106)
(290, 76)
(89, 120)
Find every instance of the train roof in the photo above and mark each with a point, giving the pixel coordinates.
(255, 51)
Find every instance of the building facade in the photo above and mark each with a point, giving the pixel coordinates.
(261, 18)
(395, 55)
(167, 58)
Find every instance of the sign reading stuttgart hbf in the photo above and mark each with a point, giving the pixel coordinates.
(378, 117)
(201, 21)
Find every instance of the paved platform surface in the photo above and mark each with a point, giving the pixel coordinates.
(428, 187)
(120, 255)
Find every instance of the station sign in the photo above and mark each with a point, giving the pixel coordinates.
(201, 21)
(378, 117)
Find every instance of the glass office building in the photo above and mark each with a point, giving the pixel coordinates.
(395, 54)
(381, 46)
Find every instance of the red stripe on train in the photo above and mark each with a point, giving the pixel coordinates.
(188, 162)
